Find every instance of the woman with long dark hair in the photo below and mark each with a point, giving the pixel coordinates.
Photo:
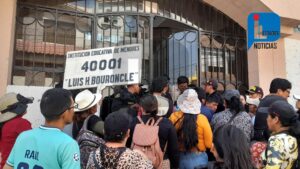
(282, 150)
(193, 131)
(234, 114)
(231, 149)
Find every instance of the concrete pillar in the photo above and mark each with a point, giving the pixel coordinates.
(266, 64)
(292, 52)
(7, 31)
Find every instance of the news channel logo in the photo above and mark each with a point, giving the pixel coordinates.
(263, 30)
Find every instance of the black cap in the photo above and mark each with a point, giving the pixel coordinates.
(283, 110)
(255, 89)
(116, 125)
(55, 102)
(212, 82)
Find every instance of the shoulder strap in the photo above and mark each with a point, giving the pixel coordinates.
(84, 126)
(165, 149)
(232, 117)
(158, 121)
(121, 151)
(151, 122)
(140, 120)
(95, 161)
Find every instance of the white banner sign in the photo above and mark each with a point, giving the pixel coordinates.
(118, 65)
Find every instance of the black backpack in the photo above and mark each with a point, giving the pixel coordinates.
(88, 142)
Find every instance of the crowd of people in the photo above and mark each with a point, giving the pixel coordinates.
(200, 129)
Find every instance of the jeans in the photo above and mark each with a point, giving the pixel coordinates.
(193, 160)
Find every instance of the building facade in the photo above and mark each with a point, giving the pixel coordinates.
(201, 39)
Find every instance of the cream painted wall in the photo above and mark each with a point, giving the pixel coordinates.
(7, 18)
(286, 8)
(253, 68)
(271, 65)
(265, 65)
(239, 10)
(292, 53)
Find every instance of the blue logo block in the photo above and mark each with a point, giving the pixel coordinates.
(263, 27)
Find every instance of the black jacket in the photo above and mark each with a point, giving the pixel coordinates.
(106, 106)
(124, 99)
(166, 133)
(261, 131)
(268, 100)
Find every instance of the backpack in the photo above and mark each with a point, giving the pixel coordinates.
(145, 139)
(88, 141)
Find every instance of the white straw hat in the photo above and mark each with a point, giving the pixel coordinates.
(188, 102)
(86, 99)
(296, 96)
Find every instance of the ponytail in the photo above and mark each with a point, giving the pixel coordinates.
(187, 134)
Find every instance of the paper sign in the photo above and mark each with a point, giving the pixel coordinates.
(120, 65)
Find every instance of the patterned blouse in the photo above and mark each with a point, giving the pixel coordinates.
(117, 158)
(282, 152)
(241, 121)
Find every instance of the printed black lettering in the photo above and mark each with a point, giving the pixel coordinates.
(131, 76)
(32, 155)
(69, 83)
(81, 82)
(85, 66)
(102, 64)
(27, 153)
(93, 80)
(112, 78)
(119, 63)
(102, 79)
(117, 78)
(87, 80)
(93, 65)
(126, 77)
(122, 78)
(112, 64)
(98, 80)
(106, 78)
